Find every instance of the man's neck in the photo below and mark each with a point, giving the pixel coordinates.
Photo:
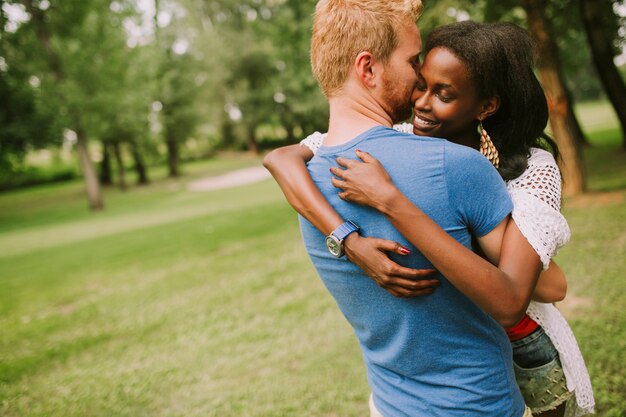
(351, 116)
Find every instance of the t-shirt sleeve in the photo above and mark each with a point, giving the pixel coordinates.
(314, 141)
(475, 189)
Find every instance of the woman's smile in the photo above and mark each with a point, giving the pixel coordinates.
(422, 123)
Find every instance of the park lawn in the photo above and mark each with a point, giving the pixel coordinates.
(169, 303)
(173, 303)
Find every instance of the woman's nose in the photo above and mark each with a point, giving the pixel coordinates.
(421, 99)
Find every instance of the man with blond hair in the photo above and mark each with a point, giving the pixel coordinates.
(438, 355)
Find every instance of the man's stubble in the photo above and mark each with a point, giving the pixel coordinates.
(396, 96)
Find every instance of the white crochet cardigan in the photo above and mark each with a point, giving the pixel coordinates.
(536, 196)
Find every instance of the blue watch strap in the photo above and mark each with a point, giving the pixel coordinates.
(344, 230)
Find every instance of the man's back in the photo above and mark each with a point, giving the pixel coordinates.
(435, 355)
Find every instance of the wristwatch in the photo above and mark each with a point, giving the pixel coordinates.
(334, 241)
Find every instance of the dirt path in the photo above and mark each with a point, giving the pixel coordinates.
(230, 179)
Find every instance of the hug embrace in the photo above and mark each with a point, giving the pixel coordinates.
(435, 237)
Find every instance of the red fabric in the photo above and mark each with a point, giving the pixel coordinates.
(522, 329)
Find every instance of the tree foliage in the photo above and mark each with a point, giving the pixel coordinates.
(155, 76)
(26, 123)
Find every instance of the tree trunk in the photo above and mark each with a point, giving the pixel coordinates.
(227, 132)
(92, 185)
(106, 177)
(140, 166)
(121, 169)
(602, 53)
(253, 144)
(565, 127)
(291, 136)
(172, 155)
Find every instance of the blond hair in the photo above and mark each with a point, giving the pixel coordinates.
(344, 28)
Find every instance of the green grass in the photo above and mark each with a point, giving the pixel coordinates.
(169, 303)
(173, 303)
(596, 117)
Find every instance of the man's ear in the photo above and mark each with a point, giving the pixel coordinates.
(489, 107)
(367, 69)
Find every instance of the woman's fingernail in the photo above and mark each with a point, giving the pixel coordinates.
(358, 150)
(404, 250)
(330, 169)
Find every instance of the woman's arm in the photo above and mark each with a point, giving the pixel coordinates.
(551, 286)
(504, 291)
(537, 197)
(288, 166)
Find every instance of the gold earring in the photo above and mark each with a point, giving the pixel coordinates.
(487, 147)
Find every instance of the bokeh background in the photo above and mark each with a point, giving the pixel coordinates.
(149, 266)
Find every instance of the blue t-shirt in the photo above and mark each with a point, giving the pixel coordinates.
(438, 355)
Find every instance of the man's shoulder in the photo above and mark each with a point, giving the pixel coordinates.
(465, 158)
(383, 132)
(389, 136)
(461, 150)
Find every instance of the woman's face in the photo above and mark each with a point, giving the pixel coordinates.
(446, 101)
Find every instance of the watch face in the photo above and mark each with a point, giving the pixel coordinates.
(333, 245)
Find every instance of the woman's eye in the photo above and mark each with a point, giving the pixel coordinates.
(444, 98)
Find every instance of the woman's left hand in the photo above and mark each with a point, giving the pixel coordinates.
(366, 183)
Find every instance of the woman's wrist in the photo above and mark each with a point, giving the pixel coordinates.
(385, 201)
(350, 244)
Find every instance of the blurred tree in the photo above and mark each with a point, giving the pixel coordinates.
(259, 72)
(106, 174)
(179, 115)
(251, 92)
(575, 73)
(124, 108)
(597, 17)
(177, 89)
(118, 112)
(77, 51)
(229, 73)
(121, 168)
(137, 108)
(579, 76)
(25, 123)
(438, 13)
(244, 67)
(300, 106)
(60, 30)
(564, 125)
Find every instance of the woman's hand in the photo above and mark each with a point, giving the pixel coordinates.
(366, 183)
(370, 254)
